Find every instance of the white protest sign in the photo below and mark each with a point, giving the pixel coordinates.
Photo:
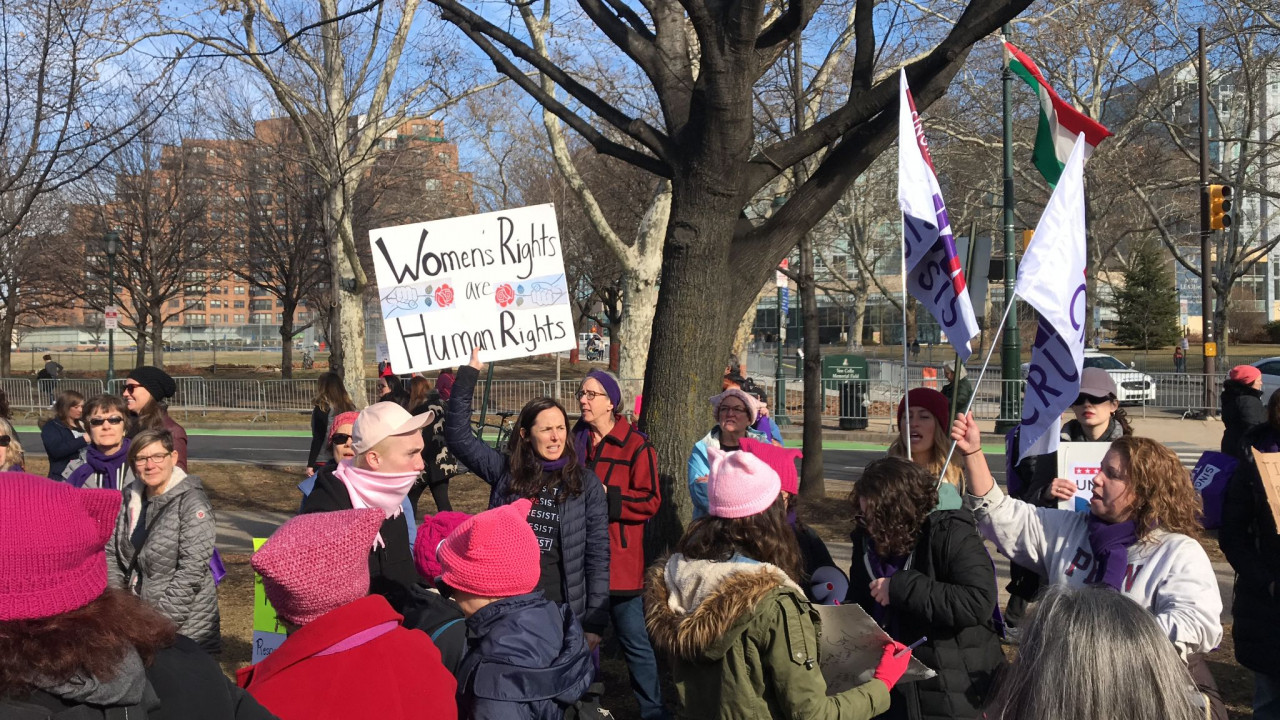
(494, 280)
(851, 647)
(1079, 463)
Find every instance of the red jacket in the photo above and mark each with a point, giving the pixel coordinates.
(627, 465)
(397, 674)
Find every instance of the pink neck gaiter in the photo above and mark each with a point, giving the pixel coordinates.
(369, 489)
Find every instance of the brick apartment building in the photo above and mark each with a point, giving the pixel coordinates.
(213, 210)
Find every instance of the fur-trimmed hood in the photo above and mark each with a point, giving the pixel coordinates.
(698, 608)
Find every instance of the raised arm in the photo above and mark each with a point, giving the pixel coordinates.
(463, 443)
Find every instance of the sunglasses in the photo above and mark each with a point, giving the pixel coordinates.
(340, 439)
(1090, 399)
(5, 440)
(130, 388)
(98, 422)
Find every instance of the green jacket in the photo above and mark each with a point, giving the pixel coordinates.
(742, 640)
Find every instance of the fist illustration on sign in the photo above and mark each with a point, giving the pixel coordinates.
(403, 298)
(444, 296)
(505, 295)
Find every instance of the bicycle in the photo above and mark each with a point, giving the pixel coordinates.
(502, 427)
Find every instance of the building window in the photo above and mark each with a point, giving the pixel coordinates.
(240, 290)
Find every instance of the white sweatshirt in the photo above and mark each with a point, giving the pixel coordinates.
(1168, 573)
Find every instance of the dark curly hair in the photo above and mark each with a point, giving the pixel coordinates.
(765, 537)
(90, 640)
(891, 500)
(527, 476)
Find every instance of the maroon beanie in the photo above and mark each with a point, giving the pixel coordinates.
(433, 530)
(52, 545)
(494, 554)
(318, 562)
(931, 400)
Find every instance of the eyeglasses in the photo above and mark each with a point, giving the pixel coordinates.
(128, 389)
(340, 438)
(737, 409)
(590, 395)
(1091, 400)
(98, 422)
(151, 459)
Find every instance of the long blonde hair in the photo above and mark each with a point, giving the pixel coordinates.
(937, 456)
(15, 455)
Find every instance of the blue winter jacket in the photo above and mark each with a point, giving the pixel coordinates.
(584, 520)
(526, 660)
(700, 465)
(62, 445)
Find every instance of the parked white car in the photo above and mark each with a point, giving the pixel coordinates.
(1270, 368)
(1132, 386)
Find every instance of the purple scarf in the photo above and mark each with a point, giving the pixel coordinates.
(1110, 543)
(554, 465)
(97, 463)
(582, 441)
(882, 568)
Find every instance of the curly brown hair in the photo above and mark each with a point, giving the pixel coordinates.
(765, 537)
(893, 497)
(1164, 497)
(90, 640)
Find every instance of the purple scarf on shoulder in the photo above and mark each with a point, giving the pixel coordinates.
(96, 463)
(882, 568)
(1110, 543)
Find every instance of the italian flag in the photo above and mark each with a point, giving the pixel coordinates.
(1060, 123)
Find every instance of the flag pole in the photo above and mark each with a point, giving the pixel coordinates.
(978, 383)
(968, 273)
(906, 368)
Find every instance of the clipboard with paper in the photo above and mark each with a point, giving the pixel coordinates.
(851, 646)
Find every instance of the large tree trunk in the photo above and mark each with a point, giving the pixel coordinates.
(689, 345)
(640, 300)
(157, 340)
(857, 319)
(348, 290)
(286, 345)
(812, 483)
(6, 341)
(140, 354)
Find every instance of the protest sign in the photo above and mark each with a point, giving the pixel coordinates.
(851, 646)
(494, 280)
(1079, 463)
(1269, 471)
(268, 633)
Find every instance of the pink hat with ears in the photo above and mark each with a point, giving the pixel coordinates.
(493, 554)
(739, 484)
(782, 460)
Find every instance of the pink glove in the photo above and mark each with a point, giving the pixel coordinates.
(892, 665)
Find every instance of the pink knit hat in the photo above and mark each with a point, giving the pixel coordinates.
(318, 562)
(494, 554)
(52, 545)
(753, 405)
(346, 418)
(740, 484)
(781, 459)
(433, 530)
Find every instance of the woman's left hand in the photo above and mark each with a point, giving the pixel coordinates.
(593, 641)
(880, 591)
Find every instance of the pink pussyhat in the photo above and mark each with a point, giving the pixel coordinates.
(317, 562)
(781, 459)
(740, 484)
(494, 554)
(426, 548)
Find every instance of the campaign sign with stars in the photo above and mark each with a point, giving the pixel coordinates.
(494, 280)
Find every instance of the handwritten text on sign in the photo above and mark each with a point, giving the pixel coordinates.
(494, 280)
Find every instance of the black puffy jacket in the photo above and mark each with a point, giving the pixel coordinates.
(584, 520)
(947, 593)
(1241, 412)
(1249, 540)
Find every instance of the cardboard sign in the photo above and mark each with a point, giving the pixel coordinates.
(494, 280)
(1079, 463)
(268, 633)
(1269, 471)
(851, 646)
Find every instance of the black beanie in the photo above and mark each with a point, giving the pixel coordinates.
(156, 381)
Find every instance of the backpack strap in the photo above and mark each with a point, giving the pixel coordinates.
(440, 630)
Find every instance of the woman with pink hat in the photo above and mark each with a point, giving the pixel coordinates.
(728, 610)
(735, 411)
(1241, 408)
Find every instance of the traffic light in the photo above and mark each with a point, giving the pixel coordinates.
(1219, 207)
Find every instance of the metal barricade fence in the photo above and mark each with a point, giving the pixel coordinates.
(20, 392)
(1182, 393)
(510, 395)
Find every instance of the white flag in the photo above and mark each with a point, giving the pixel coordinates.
(1051, 279)
(934, 274)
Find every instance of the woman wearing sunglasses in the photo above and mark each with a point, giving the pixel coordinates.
(12, 459)
(1098, 418)
(163, 541)
(104, 463)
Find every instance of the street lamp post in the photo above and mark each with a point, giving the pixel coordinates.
(1011, 349)
(113, 247)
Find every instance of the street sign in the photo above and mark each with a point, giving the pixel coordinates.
(111, 318)
(1211, 349)
(781, 280)
(786, 302)
(844, 367)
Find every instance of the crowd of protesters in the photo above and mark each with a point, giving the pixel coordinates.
(108, 572)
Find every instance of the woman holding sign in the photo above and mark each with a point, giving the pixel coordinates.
(1098, 418)
(570, 513)
(1138, 537)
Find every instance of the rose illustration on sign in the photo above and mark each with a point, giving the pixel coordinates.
(444, 296)
(505, 295)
